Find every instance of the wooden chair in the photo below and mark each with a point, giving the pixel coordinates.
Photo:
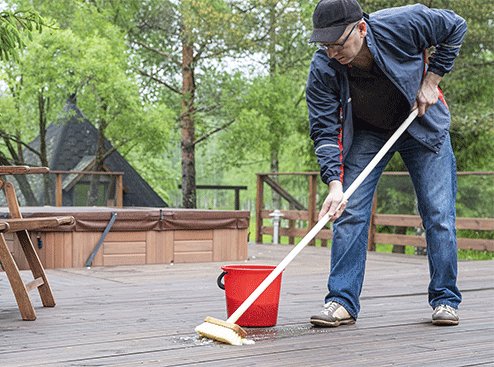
(20, 226)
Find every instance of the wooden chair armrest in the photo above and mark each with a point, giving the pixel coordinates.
(22, 170)
(32, 224)
(38, 170)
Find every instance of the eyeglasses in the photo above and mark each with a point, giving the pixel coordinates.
(337, 46)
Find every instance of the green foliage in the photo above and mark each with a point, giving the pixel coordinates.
(11, 26)
(475, 197)
(473, 142)
(266, 117)
(250, 66)
(94, 65)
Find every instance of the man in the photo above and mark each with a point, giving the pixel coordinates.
(367, 76)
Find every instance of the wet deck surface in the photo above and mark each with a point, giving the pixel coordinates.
(146, 315)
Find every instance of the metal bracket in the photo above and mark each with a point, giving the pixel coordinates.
(100, 242)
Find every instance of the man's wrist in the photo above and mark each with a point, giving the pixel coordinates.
(335, 185)
(432, 78)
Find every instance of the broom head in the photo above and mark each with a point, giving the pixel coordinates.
(223, 331)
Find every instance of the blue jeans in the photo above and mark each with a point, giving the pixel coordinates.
(434, 179)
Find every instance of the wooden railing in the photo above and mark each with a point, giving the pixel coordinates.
(59, 188)
(222, 187)
(310, 215)
(118, 184)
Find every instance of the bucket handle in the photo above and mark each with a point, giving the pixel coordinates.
(218, 281)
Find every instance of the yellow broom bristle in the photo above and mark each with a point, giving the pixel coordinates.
(223, 331)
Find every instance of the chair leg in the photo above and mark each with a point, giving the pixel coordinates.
(40, 279)
(18, 287)
(37, 269)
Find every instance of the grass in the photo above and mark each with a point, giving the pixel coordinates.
(475, 255)
(462, 254)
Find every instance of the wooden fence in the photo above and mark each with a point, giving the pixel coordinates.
(297, 212)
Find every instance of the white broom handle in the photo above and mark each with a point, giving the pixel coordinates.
(324, 220)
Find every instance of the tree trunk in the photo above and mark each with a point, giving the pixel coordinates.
(275, 168)
(188, 129)
(43, 105)
(274, 162)
(26, 190)
(93, 192)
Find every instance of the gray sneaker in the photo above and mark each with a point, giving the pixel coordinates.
(333, 315)
(445, 315)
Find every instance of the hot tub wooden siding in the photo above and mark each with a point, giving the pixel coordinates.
(135, 241)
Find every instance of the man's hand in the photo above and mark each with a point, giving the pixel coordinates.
(332, 201)
(428, 93)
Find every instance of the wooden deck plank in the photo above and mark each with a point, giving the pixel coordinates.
(146, 315)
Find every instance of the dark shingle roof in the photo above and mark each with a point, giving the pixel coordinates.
(71, 139)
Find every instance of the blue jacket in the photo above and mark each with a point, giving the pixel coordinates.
(397, 39)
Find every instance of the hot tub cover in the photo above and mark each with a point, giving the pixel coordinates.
(139, 219)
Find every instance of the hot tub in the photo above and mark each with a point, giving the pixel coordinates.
(137, 236)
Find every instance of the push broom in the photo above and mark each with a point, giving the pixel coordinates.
(230, 333)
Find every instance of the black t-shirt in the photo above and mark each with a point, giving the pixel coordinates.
(377, 104)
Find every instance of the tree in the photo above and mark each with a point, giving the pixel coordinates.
(177, 42)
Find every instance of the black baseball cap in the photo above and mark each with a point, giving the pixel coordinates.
(331, 17)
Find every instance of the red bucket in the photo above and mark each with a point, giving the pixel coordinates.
(240, 282)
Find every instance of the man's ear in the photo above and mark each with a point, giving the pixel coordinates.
(363, 28)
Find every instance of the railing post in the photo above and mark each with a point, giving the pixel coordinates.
(237, 199)
(291, 226)
(259, 206)
(119, 191)
(371, 245)
(58, 189)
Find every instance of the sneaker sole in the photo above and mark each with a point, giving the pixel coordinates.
(445, 322)
(324, 323)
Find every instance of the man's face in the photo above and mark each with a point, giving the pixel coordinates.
(346, 48)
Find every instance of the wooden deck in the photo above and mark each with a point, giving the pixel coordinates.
(145, 316)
